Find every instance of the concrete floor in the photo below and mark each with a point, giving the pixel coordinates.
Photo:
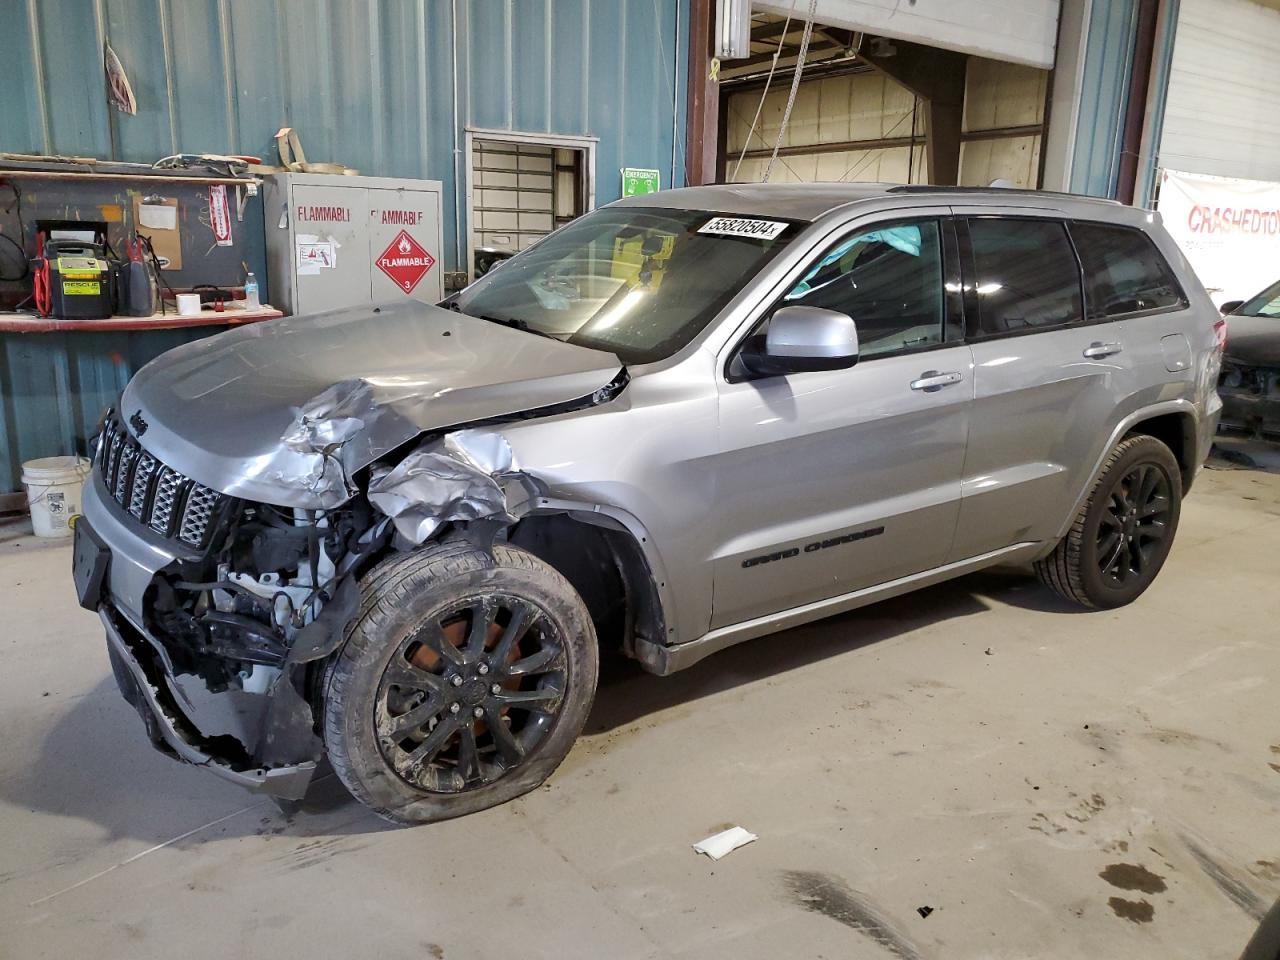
(1051, 783)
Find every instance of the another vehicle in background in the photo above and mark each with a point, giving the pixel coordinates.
(1250, 380)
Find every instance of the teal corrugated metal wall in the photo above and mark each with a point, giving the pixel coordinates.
(368, 83)
(1104, 91)
(56, 386)
(1104, 98)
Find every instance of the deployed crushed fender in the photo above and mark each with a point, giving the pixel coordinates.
(461, 476)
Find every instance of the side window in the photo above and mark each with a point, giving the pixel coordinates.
(1123, 271)
(888, 279)
(1026, 275)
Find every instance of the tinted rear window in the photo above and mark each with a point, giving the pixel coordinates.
(1027, 275)
(1123, 271)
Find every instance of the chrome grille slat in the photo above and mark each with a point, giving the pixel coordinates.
(124, 471)
(168, 486)
(166, 501)
(142, 474)
(196, 514)
(112, 461)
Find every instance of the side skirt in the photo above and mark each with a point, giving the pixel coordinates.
(664, 660)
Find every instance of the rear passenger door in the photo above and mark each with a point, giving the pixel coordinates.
(1048, 380)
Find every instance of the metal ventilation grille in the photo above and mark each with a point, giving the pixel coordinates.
(169, 503)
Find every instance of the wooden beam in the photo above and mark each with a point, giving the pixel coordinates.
(704, 96)
(936, 77)
(885, 143)
(762, 58)
(772, 31)
(1135, 114)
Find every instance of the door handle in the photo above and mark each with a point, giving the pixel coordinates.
(931, 380)
(1100, 349)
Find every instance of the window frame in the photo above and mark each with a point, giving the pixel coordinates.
(1182, 304)
(969, 268)
(953, 315)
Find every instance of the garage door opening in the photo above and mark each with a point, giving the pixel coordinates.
(520, 187)
(866, 110)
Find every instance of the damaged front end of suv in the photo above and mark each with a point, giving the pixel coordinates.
(227, 575)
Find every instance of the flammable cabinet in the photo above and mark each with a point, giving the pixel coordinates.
(337, 241)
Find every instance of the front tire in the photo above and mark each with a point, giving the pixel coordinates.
(1123, 533)
(463, 683)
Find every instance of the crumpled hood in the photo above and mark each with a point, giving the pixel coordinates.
(1253, 341)
(285, 411)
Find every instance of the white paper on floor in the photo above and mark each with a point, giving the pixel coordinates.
(724, 842)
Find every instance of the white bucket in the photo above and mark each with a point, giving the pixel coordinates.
(53, 492)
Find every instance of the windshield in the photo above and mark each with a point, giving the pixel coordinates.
(1265, 304)
(640, 283)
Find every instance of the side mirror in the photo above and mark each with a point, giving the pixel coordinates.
(1231, 306)
(801, 339)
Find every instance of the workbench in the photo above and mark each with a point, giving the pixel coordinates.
(57, 377)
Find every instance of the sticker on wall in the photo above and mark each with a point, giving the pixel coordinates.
(220, 215)
(637, 181)
(314, 254)
(405, 261)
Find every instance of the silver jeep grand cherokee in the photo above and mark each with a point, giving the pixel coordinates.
(398, 536)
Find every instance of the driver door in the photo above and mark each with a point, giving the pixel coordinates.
(832, 481)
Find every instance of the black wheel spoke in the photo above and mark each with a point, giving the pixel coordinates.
(481, 619)
(1137, 561)
(1113, 554)
(413, 719)
(1154, 507)
(436, 740)
(517, 698)
(1153, 531)
(404, 674)
(433, 637)
(469, 766)
(522, 617)
(534, 663)
(1107, 549)
(509, 748)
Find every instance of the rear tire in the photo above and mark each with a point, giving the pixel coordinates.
(1123, 532)
(463, 683)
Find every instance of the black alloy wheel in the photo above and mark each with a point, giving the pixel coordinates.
(1121, 535)
(463, 681)
(470, 693)
(1133, 524)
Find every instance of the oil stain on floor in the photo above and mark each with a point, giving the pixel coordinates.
(1131, 876)
(1137, 911)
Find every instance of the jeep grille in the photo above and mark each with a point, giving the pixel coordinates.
(153, 494)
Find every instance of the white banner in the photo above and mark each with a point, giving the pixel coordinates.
(1228, 229)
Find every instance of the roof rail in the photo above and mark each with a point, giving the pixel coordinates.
(1001, 191)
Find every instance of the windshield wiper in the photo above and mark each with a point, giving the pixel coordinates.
(514, 322)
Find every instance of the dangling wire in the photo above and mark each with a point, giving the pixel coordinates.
(782, 39)
(795, 87)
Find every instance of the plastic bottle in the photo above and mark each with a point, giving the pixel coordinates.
(251, 301)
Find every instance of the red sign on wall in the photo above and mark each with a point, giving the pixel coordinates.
(405, 261)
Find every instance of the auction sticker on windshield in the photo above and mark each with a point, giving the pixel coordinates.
(742, 227)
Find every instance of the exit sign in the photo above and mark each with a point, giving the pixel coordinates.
(636, 181)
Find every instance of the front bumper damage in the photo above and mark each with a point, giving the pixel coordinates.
(145, 683)
(115, 571)
(162, 641)
(1250, 399)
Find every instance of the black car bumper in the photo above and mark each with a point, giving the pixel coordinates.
(146, 680)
